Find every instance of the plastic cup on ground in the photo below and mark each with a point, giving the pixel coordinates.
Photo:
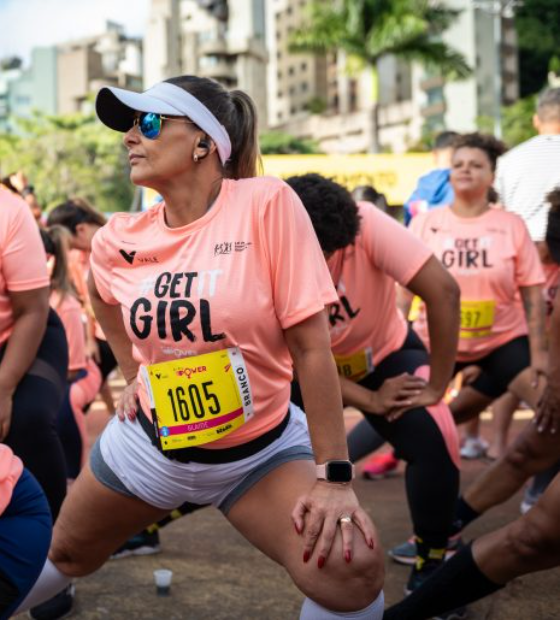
(163, 577)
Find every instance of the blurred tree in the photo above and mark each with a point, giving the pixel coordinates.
(280, 143)
(538, 38)
(368, 30)
(72, 155)
(517, 121)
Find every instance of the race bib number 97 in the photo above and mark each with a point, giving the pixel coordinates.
(477, 318)
(197, 400)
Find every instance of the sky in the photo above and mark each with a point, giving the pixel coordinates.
(33, 23)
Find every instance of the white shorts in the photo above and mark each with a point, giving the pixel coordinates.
(146, 473)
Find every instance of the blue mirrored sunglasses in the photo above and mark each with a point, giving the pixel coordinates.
(150, 123)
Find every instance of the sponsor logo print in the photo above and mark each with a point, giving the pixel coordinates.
(228, 247)
(128, 256)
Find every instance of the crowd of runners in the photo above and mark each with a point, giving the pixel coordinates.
(244, 312)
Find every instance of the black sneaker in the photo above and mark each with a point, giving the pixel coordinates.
(145, 543)
(58, 606)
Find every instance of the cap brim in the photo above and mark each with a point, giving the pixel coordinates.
(116, 107)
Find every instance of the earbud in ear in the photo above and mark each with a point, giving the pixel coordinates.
(204, 144)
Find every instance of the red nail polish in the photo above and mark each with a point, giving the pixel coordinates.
(370, 544)
(321, 561)
(306, 556)
(348, 556)
(297, 528)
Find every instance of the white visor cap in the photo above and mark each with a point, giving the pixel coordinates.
(116, 107)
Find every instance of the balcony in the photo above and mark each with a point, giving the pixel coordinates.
(435, 81)
(434, 109)
(220, 70)
(213, 47)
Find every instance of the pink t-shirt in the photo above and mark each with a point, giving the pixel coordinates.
(247, 270)
(490, 257)
(71, 314)
(23, 262)
(11, 469)
(366, 317)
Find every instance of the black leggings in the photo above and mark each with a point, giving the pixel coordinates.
(36, 402)
(108, 361)
(432, 478)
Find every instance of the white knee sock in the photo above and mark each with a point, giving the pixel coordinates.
(51, 581)
(312, 611)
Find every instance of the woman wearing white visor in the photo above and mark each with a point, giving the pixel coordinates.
(206, 299)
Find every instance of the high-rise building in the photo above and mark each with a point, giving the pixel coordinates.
(89, 63)
(219, 39)
(331, 101)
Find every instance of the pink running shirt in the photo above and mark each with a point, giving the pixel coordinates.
(11, 469)
(72, 316)
(366, 317)
(23, 262)
(490, 257)
(247, 270)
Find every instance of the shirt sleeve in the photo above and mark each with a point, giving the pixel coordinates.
(528, 266)
(301, 282)
(24, 261)
(391, 247)
(101, 265)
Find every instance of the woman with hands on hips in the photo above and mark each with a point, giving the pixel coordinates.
(384, 369)
(205, 305)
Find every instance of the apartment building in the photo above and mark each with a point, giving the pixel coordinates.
(210, 38)
(410, 99)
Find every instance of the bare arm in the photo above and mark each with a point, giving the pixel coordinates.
(441, 295)
(533, 303)
(548, 413)
(310, 347)
(316, 514)
(30, 310)
(111, 321)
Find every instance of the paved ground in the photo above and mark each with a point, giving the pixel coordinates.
(218, 576)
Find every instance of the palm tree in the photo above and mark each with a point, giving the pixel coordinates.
(368, 30)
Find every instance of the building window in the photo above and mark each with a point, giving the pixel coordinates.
(279, 75)
(304, 87)
(291, 71)
(279, 116)
(279, 55)
(304, 66)
(279, 94)
(292, 110)
(292, 91)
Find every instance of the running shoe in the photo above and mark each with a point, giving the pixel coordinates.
(58, 606)
(474, 448)
(405, 553)
(145, 543)
(380, 466)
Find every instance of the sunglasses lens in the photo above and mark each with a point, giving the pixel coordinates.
(150, 125)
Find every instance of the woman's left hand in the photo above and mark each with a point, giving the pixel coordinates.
(317, 515)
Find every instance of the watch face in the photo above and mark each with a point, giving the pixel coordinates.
(339, 471)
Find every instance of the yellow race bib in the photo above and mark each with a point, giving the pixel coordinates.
(477, 318)
(196, 400)
(355, 366)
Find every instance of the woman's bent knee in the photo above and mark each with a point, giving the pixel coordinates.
(340, 586)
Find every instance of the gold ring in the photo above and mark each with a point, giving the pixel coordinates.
(345, 519)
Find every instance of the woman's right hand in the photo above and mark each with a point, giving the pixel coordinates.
(127, 405)
(396, 393)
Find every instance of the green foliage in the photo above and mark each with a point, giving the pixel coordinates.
(316, 105)
(538, 38)
(517, 122)
(72, 155)
(280, 143)
(371, 29)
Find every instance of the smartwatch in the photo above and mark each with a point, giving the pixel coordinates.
(339, 472)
